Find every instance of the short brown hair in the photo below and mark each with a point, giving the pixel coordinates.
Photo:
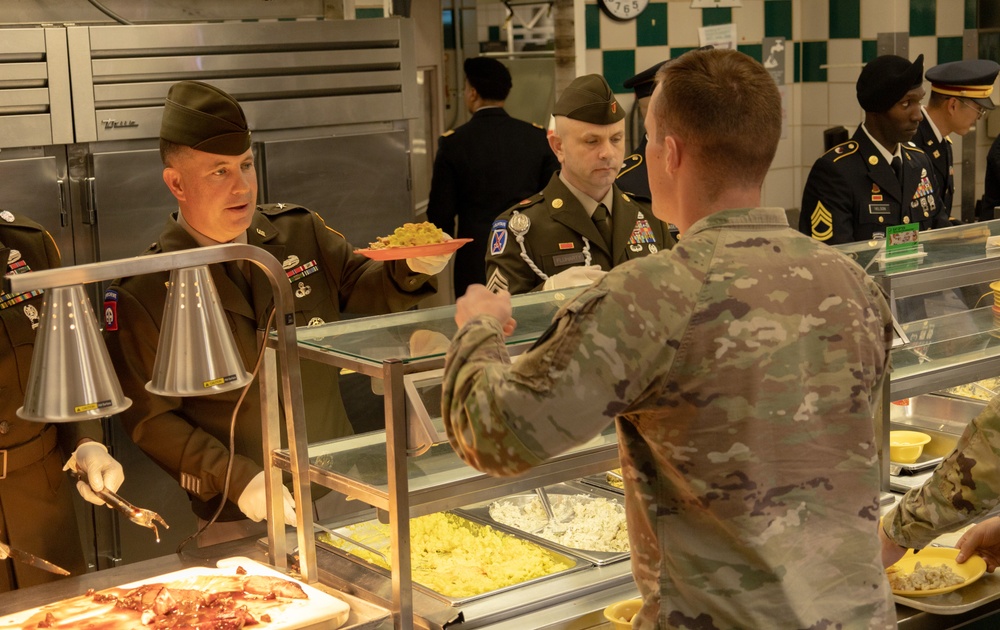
(167, 150)
(726, 108)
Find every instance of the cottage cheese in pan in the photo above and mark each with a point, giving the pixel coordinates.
(582, 521)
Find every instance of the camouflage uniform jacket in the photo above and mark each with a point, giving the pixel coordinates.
(743, 371)
(188, 437)
(962, 489)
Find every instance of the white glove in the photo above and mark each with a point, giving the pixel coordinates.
(103, 471)
(253, 501)
(574, 277)
(431, 265)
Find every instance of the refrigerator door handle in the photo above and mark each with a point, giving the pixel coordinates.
(63, 211)
(89, 185)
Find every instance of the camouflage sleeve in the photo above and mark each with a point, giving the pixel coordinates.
(503, 418)
(963, 488)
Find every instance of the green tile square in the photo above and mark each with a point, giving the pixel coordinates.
(845, 19)
(366, 14)
(949, 49)
(592, 24)
(813, 56)
(711, 17)
(970, 13)
(756, 51)
(923, 17)
(651, 25)
(869, 49)
(797, 63)
(448, 34)
(619, 65)
(778, 18)
(493, 33)
(680, 50)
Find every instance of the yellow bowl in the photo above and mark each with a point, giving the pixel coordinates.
(620, 613)
(905, 446)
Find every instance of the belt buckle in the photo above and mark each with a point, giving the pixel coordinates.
(3, 469)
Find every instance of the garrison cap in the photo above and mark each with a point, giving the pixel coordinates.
(589, 98)
(490, 77)
(971, 78)
(203, 117)
(885, 80)
(643, 83)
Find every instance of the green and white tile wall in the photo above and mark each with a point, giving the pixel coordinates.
(829, 42)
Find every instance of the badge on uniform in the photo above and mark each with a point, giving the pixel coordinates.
(822, 222)
(111, 309)
(642, 234)
(498, 238)
(16, 266)
(297, 273)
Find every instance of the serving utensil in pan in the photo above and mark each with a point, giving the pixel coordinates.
(139, 516)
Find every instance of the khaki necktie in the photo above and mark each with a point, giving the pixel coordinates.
(235, 273)
(603, 222)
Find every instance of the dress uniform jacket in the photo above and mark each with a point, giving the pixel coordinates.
(561, 235)
(852, 193)
(633, 178)
(941, 156)
(991, 193)
(188, 437)
(743, 399)
(37, 513)
(481, 169)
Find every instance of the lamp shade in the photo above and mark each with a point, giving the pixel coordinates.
(196, 354)
(71, 377)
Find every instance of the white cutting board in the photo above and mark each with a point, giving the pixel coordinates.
(321, 610)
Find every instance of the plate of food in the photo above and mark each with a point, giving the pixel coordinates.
(412, 240)
(933, 571)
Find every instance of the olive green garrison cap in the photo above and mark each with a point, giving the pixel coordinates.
(203, 117)
(589, 98)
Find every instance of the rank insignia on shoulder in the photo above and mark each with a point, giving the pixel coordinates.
(498, 238)
(111, 309)
(497, 281)
(822, 222)
(447, 133)
(524, 202)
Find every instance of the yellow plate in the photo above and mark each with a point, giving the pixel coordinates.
(972, 569)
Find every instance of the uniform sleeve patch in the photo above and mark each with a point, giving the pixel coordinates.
(498, 238)
(497, 281)
(822, 222)
(111, 309)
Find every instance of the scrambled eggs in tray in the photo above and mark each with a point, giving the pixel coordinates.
(458, 557)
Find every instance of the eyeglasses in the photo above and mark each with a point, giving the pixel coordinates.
(979, 109)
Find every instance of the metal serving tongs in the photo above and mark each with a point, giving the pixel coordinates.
(357, 544)
(557, 527)
(139, 516)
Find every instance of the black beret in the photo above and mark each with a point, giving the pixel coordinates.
(643, 83)
(490, 77)
(972, 79)
(589, 98)
(203, 117)
(885, 80)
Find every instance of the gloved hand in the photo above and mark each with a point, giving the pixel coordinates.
(574, 277)
(425, 342)
(430, 265)
(253, 501)
(103, 471)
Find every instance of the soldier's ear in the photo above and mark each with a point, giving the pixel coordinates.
(175, 183)
(673, 151)
(556, 144)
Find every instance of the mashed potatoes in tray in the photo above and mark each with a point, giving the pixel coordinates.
(410, 235)
(456, 557)
(582, 521)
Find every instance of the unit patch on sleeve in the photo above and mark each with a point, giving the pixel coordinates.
(111, 309)
(498, 238)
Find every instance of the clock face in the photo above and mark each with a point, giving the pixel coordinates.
(623, 9)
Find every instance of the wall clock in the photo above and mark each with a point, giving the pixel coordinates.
(623, 10)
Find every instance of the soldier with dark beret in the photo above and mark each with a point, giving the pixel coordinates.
(37, 514)
(582, 224)
(209, 168)
(632, 178)
(484, 166)
(960, 97)
(878, 178)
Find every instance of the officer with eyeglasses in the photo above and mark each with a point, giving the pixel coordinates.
(960, 96)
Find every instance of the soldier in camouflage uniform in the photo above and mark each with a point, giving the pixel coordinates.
(962, 489)
(743, 370)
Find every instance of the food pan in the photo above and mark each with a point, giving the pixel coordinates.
(454, 575)
(557, 494)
